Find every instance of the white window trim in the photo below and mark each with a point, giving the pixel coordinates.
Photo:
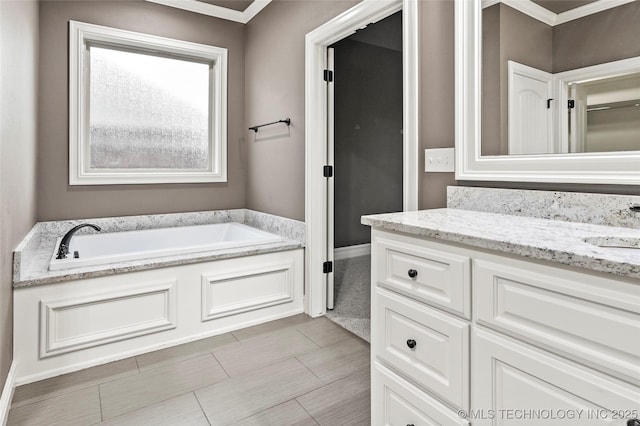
(79, 173)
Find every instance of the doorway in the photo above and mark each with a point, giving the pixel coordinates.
(365, 107)
(317, 250)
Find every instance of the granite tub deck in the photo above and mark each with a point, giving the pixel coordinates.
(543, 239)
(31, 257)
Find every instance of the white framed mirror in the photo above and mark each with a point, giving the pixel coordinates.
(569, 138)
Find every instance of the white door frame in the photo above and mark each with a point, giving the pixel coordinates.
(316, 43)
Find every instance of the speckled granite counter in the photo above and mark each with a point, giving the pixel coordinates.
(583, 207)
(543, 239)
(31, 257)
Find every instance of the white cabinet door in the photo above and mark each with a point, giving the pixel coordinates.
(396, 402)
(516, 384)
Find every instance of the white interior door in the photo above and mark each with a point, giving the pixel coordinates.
(531, 107)
(330, 180)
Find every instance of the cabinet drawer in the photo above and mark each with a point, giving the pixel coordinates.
(424, 271)
(429, 347)
(396, 402)
(593, 322)
(517, 384)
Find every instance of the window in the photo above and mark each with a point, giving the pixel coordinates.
(145, 109)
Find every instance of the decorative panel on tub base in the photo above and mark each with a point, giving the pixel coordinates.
(74, 325)
(231, 292)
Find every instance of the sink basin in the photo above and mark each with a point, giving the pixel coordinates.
(614, 242)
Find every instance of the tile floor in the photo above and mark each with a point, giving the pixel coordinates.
(352, 286)
(295, 371)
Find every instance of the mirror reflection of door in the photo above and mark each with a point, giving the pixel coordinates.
(530, 110)
(590, 52)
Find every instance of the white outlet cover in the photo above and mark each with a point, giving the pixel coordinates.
(440, 160)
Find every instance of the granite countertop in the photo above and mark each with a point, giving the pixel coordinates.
(543, 239)
(32, 256)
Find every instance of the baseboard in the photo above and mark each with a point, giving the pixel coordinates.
(7, 394)
(352, 251)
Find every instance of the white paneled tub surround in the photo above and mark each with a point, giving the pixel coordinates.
(64, 327)
(105, 248)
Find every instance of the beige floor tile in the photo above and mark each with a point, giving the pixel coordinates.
(158, 384)
(325, 332)
(80, 407)
(49, 388)
(263, 350)
(268, 385)
(235, 399)
(290, 413)
(185, 351)
(339, 360)
(183, 410)
(272, 326)
(343, 402)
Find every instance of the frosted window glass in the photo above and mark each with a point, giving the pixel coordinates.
(147, 112)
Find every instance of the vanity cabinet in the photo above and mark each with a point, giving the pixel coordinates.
(464, 336)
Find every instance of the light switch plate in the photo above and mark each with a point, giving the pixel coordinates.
(439, 160)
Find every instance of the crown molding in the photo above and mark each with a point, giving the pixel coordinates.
(254, 8)
(589, 9)
(538, 12)
(203, 8)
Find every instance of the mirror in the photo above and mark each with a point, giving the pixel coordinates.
(547, 91)
(550, 86)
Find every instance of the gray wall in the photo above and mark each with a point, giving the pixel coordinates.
(511, 35)
(368, 137)
(56, 199)
(274, 86)
(613, 130)
(18, 86)
(599, 38)
(436, 87)
(491, 104)
(275, 89)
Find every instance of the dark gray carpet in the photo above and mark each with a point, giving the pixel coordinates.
(352, 284)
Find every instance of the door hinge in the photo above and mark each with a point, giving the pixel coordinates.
(328, 76)
(327, 267)
(549, 103)
(571, 104)
(327, 171)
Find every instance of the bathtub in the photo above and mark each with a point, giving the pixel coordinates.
(149, 289)
(104, 248)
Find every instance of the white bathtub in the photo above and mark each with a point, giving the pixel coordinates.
(103, 248)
